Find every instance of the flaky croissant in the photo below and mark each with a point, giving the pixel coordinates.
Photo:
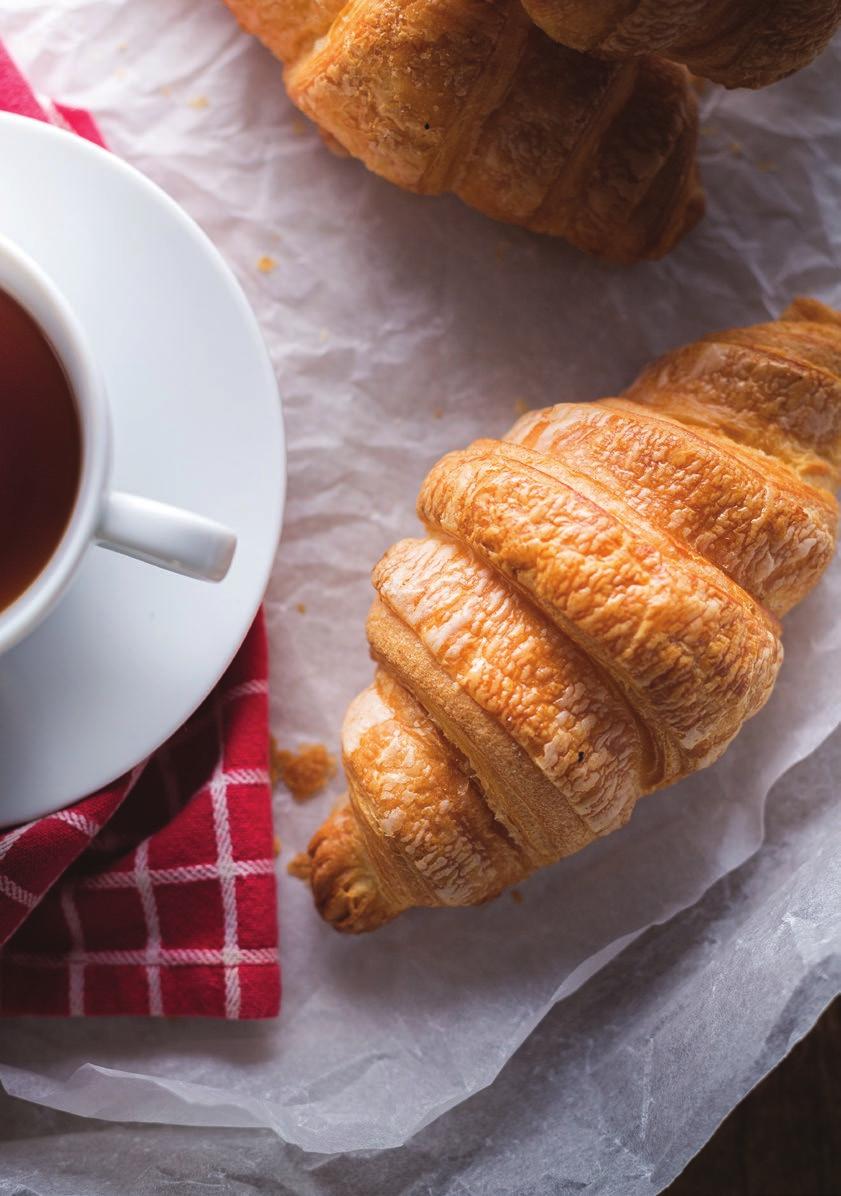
(592, 615)
(740, 43)
(469, 96)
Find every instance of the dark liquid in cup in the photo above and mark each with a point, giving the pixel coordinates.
(40, 450)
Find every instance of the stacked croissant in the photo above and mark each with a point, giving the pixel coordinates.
(592, 615)
(570, 117)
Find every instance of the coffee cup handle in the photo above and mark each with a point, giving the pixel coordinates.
(165, 536)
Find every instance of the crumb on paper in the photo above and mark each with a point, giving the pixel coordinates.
(266, 264)
(301, 608)
(276, 845)
(516, 896)
(520, 406)
(299, 866)
(199, 102)
(766, 166)
(709, 129)
(165, 89)
(735, 148)
(121, 46)
(438, 413)
(323, 335)
(305, 772)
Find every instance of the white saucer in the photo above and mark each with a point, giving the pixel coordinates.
(131, 651)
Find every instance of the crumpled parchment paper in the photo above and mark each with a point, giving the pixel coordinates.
(612, 1093)
(400, 328)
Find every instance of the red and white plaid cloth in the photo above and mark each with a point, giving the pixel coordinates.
(157, 895)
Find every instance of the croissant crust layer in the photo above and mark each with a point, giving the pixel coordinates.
(592, 614)
(735, 42)
(470, 97)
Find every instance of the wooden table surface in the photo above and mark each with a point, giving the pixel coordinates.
(784, 1139)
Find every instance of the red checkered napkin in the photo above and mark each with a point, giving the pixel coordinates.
(157, 895)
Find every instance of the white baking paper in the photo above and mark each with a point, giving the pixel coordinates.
(611, 1094)
(400, 328)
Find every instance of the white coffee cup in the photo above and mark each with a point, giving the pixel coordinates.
(150, 531)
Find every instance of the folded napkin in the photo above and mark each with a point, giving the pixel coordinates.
(156, 895)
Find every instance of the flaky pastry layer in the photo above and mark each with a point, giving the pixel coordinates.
(591, 615)
(469, 96)
(740, 43)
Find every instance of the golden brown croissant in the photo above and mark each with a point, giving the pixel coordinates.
(469, 96)
(592, 615)
(740, 43)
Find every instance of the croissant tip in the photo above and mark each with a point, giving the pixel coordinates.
(688, 203)
(344, 889)
(812, 311)
(696, 205)
(687, 217)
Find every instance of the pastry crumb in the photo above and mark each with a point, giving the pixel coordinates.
(521, 406)
(299, 866)
(199, 102)
(266, 264)
(516, 896)
(766, 166)
(276, 845)
(735, 148)
(301, 608)
(323, 335)
(438, 413)
(165, 89)
(122, 46)
(305, 772)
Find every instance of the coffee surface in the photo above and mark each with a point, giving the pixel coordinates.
(40, 450)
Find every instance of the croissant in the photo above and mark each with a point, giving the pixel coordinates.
(469, 96)
(592, 615)
(735, 42)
